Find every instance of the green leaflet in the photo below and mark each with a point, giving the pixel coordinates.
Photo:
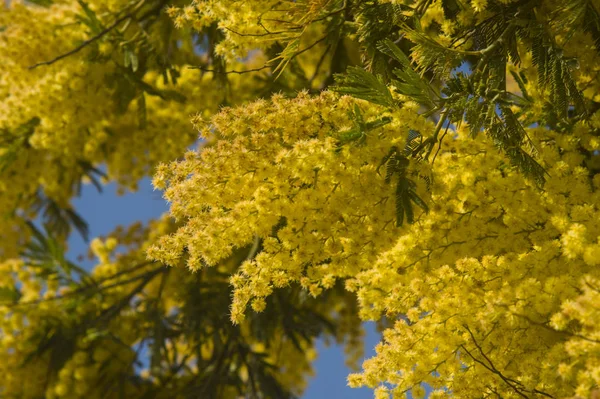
(15, 142)
(358, 134)
(410, 83)
(359, 83)
(47, 254)
(9, 294)
(397, 165)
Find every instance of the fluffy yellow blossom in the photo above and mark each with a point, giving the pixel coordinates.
(301, 202)
(475, 284)
(60, 121)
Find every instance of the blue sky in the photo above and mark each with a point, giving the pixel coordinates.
(105, 211)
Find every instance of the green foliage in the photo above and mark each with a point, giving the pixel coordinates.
(432, 56)
(494, 116)
(480, 98)
(396, 164)
(9, 294)
(59, 219)
(376, 22)
(579, 13)
(378, 52)
(554, 73)
(90, 19)
(358, 134)
(129, 86)
(359, 83)
(13, 143)
(202, 320)
(410, 83)
(46, 254)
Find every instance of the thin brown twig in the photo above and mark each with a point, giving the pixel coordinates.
(85, 43)
(267, 33)
(89, 287)
(129, 15)
(510, 382)
(319, 64)
(433, 139)
(230, 72)
(517, 390)
(440, 144)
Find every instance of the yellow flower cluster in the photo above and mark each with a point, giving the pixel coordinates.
(275, 173)
(492, 292)
(448, 29)
(299, 33)
(240, 22)
(57, 119)
(579, 320)
(474, 285)
(479, 280)
(253, 25)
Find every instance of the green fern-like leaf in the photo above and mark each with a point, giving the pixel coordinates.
(377, 21)
(358, 133)
(414, 141)
(410, 83)
(578, 14)
(359, 83)
(15, 141)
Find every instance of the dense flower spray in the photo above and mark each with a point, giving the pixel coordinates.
(430, 165)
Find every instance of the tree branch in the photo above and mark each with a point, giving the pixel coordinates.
(515, 385)
(230, 72)
(85, 43)
(129, 15)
